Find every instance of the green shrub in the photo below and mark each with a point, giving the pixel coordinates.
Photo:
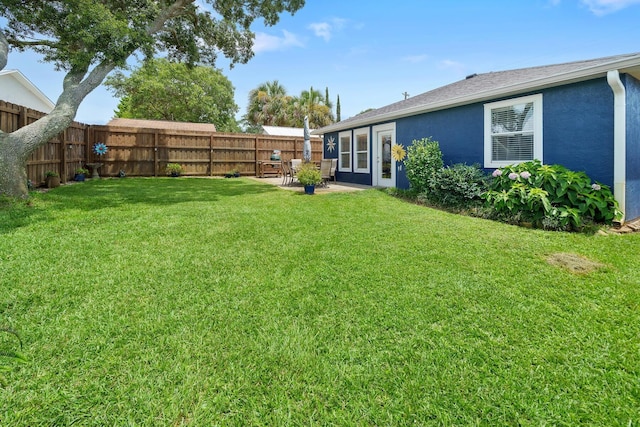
(458, 186)
(424, 160)
(550, 196)
(308, 174)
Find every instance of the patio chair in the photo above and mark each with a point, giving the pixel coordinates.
(334, 167)
(325, 171)
(295, 163)
(287, 173)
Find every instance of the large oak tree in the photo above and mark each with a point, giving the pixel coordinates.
(90, 38)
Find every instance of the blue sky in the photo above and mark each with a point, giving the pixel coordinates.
(371, 52)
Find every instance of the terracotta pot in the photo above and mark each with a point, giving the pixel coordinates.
(53, 181)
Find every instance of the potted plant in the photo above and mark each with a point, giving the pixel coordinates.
(308, 175)
(234, 173)
(81, 174)
(173, 169)
(52, 179)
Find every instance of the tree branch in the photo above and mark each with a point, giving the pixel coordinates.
(4, 50)
(171, 12)
(25, 43)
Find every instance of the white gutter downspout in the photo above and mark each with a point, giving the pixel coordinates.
(619, 138)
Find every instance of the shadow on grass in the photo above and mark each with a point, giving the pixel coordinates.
(110, 193)
(16, 213)
(153, 191)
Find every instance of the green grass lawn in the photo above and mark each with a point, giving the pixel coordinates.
(201, 302)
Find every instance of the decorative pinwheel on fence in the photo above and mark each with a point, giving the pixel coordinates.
(100, 148)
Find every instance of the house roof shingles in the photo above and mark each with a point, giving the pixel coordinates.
(482, 87)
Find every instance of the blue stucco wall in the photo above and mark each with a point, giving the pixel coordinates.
(577, 131)
(356, 178)
(578, 128)
(632, 89)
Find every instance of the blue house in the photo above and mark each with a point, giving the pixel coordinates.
(584, 115)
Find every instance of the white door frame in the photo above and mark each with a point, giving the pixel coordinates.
(377, 180)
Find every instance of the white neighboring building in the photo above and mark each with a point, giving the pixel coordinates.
(17, 89)
(286, 131)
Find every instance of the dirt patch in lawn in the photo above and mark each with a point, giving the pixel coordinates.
(573, 263)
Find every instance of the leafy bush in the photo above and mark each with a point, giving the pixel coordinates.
(308, 174)
(550, 196)
(424, 160)
(459, 186)
(173, 169)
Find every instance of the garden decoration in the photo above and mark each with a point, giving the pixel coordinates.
(306, 147)
(331, 144)
(100, 149)
(398, 153)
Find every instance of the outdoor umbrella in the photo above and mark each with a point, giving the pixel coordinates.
(306, 148)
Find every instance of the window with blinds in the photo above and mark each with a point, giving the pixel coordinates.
(344, 147)
(513, 131)
(361, 140)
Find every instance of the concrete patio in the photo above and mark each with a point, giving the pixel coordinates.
(332, 187)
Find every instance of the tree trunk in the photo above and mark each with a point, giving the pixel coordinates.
(15, 147)
(13, 173)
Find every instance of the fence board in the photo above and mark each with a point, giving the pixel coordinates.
(146, 151)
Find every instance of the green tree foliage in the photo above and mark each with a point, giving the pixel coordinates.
(270, 105)
(164, 90)
(88, 39)
(315, 106)
(338, 109)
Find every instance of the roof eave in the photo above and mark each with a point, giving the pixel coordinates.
(535, 84)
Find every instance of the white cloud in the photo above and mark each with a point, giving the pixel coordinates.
(326, 30)
(321, 29)
(266, 42)
(603, 7)
(414, 59)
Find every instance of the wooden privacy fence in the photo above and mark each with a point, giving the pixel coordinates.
(146, 152)
(62, 154)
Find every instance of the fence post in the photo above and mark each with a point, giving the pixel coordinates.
(87, 150)
(155, 154)
(63, 155)
(22, 117)
(256, 157)
(211, 155)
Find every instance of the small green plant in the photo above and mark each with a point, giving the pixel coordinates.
(82, 171)
(173, 169)
(50, 174)
(8, 355)
(550, 196)
(309, 174)
(424, 160)
(459, 186)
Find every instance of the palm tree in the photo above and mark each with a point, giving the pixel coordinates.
(312, 104)
(268, 105)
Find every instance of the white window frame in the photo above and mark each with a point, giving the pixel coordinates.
(537, 129)
(356, 152)
(342, 150)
